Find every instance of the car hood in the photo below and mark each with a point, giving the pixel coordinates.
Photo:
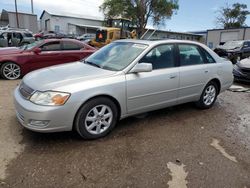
(244, 63)
(10, 50)
(227, 48)
(58, 76)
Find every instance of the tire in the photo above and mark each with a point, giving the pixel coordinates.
(10, 71)
(208, 96)
(96, 118)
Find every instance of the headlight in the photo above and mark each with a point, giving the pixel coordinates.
(50, 98)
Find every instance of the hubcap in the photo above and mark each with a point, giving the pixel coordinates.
(99, 119)
(11, 71)
(209, 95)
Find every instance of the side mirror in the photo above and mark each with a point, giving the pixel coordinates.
(142, 67)
(37, 50)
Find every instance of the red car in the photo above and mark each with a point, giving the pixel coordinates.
(16, 62)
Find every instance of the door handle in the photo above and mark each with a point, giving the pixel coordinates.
(206, 71)
(172, 76)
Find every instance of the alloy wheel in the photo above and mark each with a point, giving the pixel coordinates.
(209, 95)
(98, 119)
(11, 71)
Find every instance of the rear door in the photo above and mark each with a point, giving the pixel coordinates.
(194, 72)
(50, 55)
(72, 51)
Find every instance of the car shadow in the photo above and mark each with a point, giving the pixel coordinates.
(126, 127)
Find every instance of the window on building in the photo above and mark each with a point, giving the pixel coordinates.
(160, 57)
(57, 28)
(190, 55)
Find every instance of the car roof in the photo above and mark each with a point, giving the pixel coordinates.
(63, 39)
(156, 42)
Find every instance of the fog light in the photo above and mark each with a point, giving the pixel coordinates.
(41, 123)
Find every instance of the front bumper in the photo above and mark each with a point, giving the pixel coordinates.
(55, 118)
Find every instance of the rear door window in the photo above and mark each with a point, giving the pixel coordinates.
(190, 55)
(209, 58)
(68, 45)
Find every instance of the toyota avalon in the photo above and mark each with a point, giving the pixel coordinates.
(122, 79)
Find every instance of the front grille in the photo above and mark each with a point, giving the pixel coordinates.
(25, 90)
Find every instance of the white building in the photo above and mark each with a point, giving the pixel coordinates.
(163, 34)
(26, 21)
(216, 37)
(69, 24)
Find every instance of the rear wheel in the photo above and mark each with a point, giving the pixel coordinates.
(10, 71)
(208, 96)
(96, 118)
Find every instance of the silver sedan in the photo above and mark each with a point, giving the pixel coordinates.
(122, 79)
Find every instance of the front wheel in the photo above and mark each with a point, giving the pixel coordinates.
(10, 71)
(208, 96)
(96, 118)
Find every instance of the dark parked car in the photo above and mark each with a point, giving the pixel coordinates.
(234, 50)
(242, 70)
(53, 35)
(16, 62)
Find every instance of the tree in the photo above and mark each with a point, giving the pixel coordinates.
(140, 11)
(232, 16)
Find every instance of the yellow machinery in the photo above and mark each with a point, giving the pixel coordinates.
(116, 29)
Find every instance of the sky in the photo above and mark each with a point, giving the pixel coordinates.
(193, 15)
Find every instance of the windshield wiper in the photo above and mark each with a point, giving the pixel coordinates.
(91, 63)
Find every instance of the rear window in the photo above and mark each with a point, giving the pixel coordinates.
(28, 35)
(209, 58)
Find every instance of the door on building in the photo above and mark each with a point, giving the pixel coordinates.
(47, 25)
(229, 36)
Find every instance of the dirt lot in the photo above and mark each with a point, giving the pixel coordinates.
(173, 147)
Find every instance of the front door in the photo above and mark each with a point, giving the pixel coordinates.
(50, 55)
(158, 88)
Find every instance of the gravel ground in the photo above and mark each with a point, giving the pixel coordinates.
(174, 147)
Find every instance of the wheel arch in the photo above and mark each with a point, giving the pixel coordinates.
(218, 83)
(97, 96)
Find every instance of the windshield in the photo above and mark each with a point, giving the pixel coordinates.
(30, 46)
(116, 56)
(233, 44)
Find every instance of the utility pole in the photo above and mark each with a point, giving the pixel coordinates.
(32, 8)
(17, 21)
